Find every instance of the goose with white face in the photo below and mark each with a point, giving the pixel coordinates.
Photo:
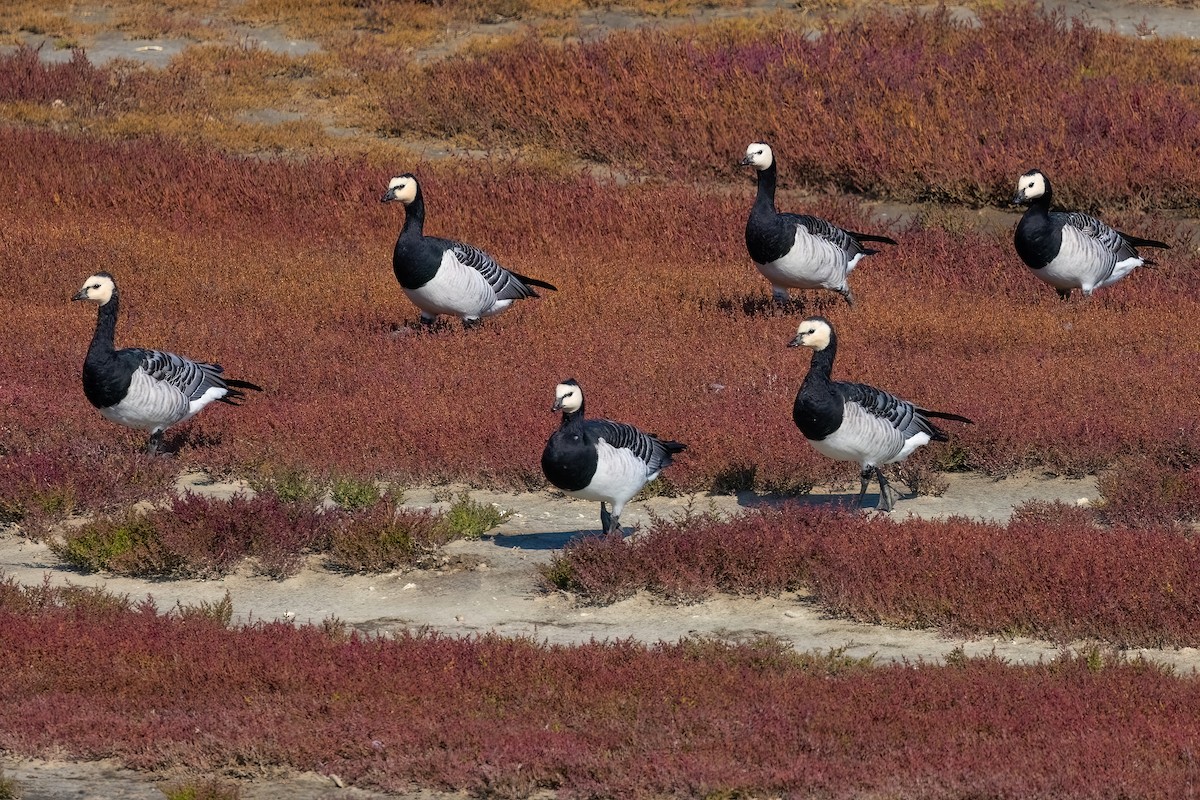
(402, 189)
(759, 156)
(601, 460)
(798, 251)
(148, 390)
(853, 421)
(445, 276)
(1070, 249)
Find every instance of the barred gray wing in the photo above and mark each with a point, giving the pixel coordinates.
(824, 229)
(901, 414)
(646, 447)
(193, 378)
(506, 285)
(1108, 237)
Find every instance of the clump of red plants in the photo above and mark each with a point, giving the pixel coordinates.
(93, 677)
(700, 350)
(917, 105)
(1053, 571)
(1157, 489)
(198, 536)
(38, 487)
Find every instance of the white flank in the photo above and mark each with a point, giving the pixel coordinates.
(619, 476)
(149, 405)
(456, 290)
(812, 263)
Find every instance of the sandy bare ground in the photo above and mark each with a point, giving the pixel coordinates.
(491, 585)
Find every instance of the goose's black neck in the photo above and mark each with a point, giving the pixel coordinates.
(415, 259)
(414, 217)
(765, 199)
(106, 328)
(106, 378)
(1037, 238)
(821, 365)
(769, 237)
(818, 409)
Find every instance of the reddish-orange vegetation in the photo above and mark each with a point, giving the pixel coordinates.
(504, 718)
(1053, 572)
(916, 106)
(280, 271)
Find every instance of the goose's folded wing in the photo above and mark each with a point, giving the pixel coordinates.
(193, 378)
(826, 230)
(900, 414)
(620, 435)
(506, 285)
(1108, 237)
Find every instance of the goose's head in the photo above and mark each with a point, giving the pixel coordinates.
(1030, 187)
(814, 332)
(402, 188)
(99, 289)
(568, 396)
(758, 155)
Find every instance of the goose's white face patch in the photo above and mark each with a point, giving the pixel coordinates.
(1031, 185)
(97, 289)
(568, 397)
(403, 189)
(814, 333)
(759, 156)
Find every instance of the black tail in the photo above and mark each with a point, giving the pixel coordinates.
(868, 237)
(235, 390)
(535, 282)
(673, 447)
(944, 415)
(1139, 242)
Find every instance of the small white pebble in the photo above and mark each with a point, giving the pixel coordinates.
(790, 614)
(289, 614)
(1083, 502)
(409, 586)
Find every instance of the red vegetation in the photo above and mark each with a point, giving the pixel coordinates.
(503, 718)
(917, 106)
(197, 536)
(281, 272)
(1052, 572)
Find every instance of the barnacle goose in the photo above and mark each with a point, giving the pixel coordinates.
(148, 390)
(853, 421)
(442, 276)
(798, 251)
(597, 459)
(1069, 249)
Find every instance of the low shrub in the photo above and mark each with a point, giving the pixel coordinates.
(1153, 490)
(9, 788)
(40, 487)
(197, 536)
(383, 537)
(354, 494)
(1054, 571)
(202, 789)
(498, 717)
(470, 519)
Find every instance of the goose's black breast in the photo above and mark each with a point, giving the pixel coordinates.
(106, 378)
(1038, 239)
(415, 260)
(769, 236)
(818, 410)
(569, 460)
